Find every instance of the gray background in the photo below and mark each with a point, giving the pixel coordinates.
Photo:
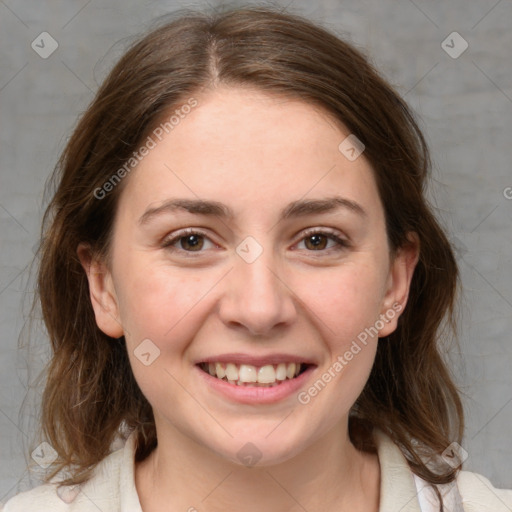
(465, 104)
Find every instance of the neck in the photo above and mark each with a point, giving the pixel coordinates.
(331, 474)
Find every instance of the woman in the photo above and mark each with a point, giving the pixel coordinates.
(244, 286)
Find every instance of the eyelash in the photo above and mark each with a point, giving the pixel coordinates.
(342, 243)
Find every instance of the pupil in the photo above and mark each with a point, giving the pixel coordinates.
(192, 241)
(318, 241)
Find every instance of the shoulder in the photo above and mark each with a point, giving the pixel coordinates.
(475, 492)
(470, 492)
(479, 495)
(102, 489)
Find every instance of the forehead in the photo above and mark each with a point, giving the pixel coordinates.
(253, 151)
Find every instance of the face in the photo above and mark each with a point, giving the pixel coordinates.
(247, 245)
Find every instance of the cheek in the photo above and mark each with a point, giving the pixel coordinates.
(344, 306)
(156, 300)
(344, 301)
(160, 311)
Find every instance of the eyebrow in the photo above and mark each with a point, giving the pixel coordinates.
(299, 208)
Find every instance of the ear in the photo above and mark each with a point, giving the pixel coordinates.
(102, 293)
(398, 285)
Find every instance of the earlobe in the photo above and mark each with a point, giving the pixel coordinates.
(399, 283)
(101, 291)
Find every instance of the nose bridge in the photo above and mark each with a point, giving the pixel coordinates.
(257, 298)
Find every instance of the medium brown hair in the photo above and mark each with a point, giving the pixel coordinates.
(90, 389)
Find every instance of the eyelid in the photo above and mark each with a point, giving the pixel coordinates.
(323, 231)
(341, 240)
(337, 236)
(171, 239)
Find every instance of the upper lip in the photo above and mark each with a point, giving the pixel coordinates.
(238, 359)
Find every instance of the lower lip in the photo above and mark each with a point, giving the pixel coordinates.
(257, 394)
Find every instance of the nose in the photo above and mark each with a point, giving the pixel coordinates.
(257, 298)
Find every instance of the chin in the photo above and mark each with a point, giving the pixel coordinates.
(258, 450)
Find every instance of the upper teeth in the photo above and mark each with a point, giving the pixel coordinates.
(247, 373)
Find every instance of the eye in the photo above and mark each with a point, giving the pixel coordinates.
(318, 240)
(193, 240)
(188, 240)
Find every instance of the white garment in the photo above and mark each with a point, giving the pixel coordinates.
(429, 502)
(112, 488)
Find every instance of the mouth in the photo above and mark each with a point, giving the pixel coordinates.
(248, 375)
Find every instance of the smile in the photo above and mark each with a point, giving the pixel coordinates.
(254, 376)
